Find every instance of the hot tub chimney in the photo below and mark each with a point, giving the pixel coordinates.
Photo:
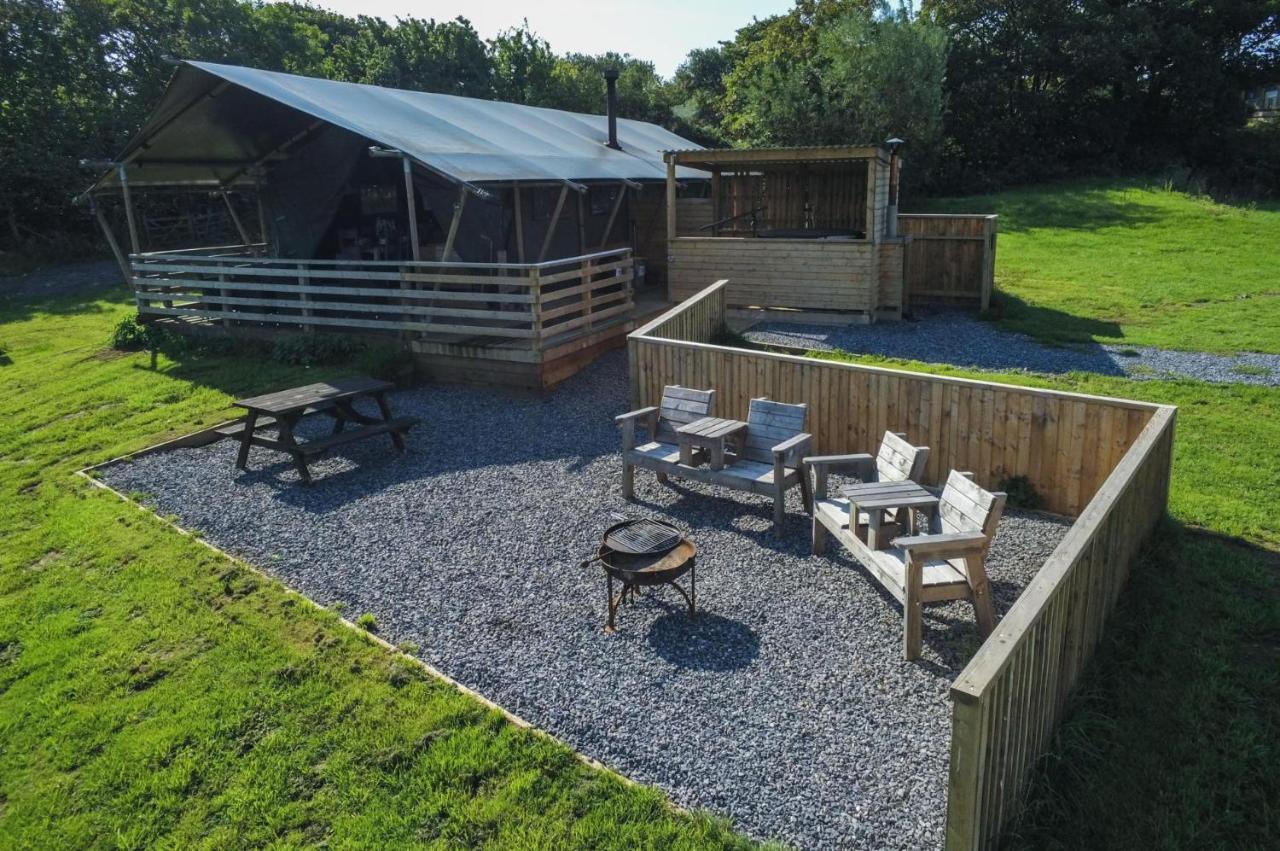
(611, 89)
(891, 214)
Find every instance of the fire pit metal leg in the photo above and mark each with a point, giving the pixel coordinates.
(613, 606)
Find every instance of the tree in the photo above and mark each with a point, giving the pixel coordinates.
(521, 66)
(698, 89)
(840, 73)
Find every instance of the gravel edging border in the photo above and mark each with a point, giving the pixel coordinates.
(88, 474)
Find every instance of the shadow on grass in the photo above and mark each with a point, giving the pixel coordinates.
(1051, 326)
(1173, 735)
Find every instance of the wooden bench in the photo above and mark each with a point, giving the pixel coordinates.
(896, 460)
(768, 460)
(946, 563)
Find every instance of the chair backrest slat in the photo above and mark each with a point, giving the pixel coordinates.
(898, 460)
(768, 424)
(966, 507)
(680, 406)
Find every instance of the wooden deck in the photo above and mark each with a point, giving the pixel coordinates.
(523, 324)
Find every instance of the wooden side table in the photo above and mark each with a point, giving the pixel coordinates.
(875, 498)
(709, 433)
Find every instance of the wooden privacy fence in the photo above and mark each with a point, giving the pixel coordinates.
(1009, 699)
(1066, 444)
(1104, 460)
(949, 258)
(533, 302)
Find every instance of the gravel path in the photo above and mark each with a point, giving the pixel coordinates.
(963, 340)
(785, 706)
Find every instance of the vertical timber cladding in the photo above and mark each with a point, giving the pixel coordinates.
(950, 258)
(1008, 700)
(1066, 444)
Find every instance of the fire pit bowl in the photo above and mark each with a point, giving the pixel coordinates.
(664, 559)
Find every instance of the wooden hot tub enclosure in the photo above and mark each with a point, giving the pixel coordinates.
(818, 229)
(1103, 461)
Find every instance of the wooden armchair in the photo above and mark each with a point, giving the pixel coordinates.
(661, 453)
(946, 563)
(771, 458)
(895, 461)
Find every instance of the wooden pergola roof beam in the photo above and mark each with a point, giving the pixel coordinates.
(711, 158)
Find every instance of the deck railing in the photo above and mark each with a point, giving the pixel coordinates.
(502, 302)
(1106, 461)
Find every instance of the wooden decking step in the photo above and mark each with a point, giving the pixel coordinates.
(399, 425)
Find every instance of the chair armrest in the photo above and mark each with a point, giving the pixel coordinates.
(631, 415)
(944, 544)
(837, 460)
(860, 465)
(792, 446)
(628, 423)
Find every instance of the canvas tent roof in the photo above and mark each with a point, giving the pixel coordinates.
(215, 121)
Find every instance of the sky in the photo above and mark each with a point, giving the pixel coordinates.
(661, 31)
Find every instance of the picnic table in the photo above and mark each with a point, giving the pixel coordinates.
(709, 433)
(284, 409)
(875, 498)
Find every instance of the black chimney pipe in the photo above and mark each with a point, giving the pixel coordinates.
(611, 88)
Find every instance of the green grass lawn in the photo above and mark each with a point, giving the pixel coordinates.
(154, 693)
(1134, 263)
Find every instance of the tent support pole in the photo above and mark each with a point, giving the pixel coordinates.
(115, 246)
(411, 200)
(128, 211)
(235, 217)
(671, 200)
(715, 200)
(515, 189)
(551, 226)
(262, 214)
(613, 214)
(582, 225)
(458, 207)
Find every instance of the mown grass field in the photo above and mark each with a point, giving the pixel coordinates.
(1131, 262)
(155, 693)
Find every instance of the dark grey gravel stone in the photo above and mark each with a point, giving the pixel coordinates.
(960, 339)
(784, 706)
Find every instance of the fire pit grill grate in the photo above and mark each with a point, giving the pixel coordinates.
(643, 537)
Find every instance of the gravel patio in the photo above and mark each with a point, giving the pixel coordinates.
(785, 706)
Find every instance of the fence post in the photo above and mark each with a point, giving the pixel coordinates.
(222, 295)
(988, 260)
(303, 297)
(629, 267)
(535, 307)
(587, 267)
(968, 755)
